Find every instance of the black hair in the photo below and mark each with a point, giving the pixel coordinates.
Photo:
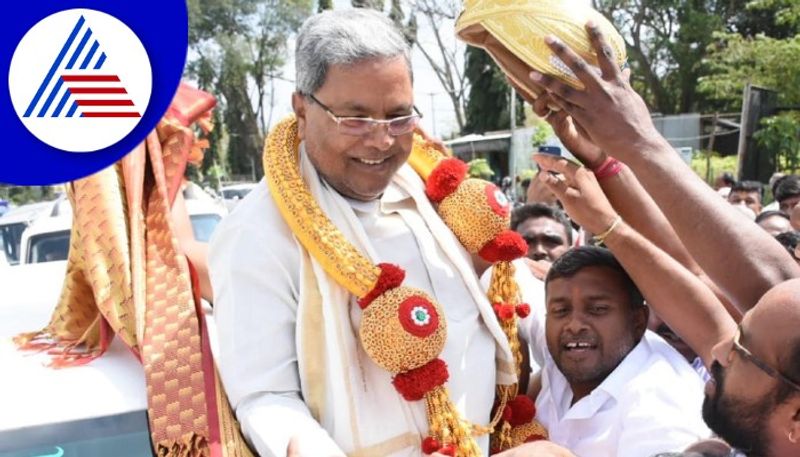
(535, 210)
(576, 259)
(748, 186)
(768, 214)
(728, 178)
(789, 241)
(786, 187)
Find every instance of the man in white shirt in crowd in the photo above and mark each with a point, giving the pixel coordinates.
(609, 387)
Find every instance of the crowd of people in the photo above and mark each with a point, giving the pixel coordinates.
(662, 317)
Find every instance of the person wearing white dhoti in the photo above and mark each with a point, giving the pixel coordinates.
(287, 334)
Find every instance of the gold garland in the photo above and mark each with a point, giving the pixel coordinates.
(403, 330)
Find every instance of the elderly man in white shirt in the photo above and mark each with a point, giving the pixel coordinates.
(288, 352)
(609, 387)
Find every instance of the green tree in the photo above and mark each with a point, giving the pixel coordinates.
(237, 48)
(324, 5)
(668, 40)
(479, 168)
(735, 60)
(781, 135)
(489, 95)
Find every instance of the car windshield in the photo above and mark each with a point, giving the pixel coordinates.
(203, 225)
(11, 236)
(121, 435)
(48, 247)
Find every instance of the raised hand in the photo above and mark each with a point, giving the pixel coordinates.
(572, 135)
(579, 192)
(613, 115)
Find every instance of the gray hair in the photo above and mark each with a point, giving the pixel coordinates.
(344, 37)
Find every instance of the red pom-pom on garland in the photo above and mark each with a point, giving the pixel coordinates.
(505, 311)
(445, 178)
(430, 445)
(535, 437)
(448, 450)
(506, 246)
(391, 276)
(414, 384)
(523, 310)
(522, 410)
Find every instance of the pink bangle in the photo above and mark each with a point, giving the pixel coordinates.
(611, 167)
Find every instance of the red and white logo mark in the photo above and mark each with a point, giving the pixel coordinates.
(86, 89)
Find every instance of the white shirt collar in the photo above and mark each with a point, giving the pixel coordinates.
(611, 389)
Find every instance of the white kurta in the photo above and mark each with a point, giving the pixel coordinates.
(650, 403)
(256, 268)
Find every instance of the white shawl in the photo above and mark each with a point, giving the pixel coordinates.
(359, 407)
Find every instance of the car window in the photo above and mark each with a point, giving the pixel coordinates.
(203, 225)
(48, 247)
(11, 237)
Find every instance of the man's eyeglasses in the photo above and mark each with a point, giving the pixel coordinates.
(746, 354)
(360, 126)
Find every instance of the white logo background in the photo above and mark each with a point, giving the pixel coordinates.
(126, 57)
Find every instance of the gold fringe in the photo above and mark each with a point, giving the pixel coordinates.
(503, 289)
(447, 426)
(189, 445)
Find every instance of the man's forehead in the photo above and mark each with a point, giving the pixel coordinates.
(543, 223)
(774, 321)
(588, 281)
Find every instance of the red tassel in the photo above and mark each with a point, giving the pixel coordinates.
(445, 178)
(391, 276)
(523, 310)
(506, 312)
(523, 410)
(430, 445)
(506, 246)
(414, 384)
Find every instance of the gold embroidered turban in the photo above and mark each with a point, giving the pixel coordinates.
(513, 32)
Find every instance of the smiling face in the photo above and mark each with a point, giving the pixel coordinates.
(591, 325)
(359, 167)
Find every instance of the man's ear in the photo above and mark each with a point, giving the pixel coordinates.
(641, 314)
(299, 105)
(793, 425)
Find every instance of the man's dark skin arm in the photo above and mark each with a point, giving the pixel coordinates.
(626, 194)
(736, 254)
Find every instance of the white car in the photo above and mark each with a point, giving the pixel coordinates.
(15, 221)
(47, 238)
(234, 193)
(94, 410)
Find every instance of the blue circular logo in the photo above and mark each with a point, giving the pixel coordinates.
(87, 81)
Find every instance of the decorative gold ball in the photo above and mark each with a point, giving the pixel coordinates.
(476, 212)
(521, 433)
(403, 329)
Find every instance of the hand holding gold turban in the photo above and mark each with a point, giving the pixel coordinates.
(513, 33)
